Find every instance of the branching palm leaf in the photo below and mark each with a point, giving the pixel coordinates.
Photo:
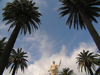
(74, 8)
(66, 71)
(86, 60)
(24, 16)
(18, 59)
(22, 11)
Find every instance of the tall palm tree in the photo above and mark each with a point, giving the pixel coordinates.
(17, 58)
(81, 13)
(86, 60)
(22, 15)
(66, 71)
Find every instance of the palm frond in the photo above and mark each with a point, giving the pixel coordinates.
(17, 59)
(22, 11)
(88, 8)
(86, 59)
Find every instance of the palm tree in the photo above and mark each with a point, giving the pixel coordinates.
(86, 60)
(82, 13)
(66, 71)
(23, 15)
(17, 58)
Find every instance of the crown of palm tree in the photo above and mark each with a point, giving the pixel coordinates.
(22, 11)
(17, 58)
(66, 71)
(86, 60)
(74, 7)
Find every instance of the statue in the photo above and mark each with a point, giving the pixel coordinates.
(54, 68)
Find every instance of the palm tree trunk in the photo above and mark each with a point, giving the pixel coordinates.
(8, 48)
(92, 31)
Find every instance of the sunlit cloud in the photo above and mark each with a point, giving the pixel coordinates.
(42, 65)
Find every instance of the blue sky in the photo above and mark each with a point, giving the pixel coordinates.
(52, 41)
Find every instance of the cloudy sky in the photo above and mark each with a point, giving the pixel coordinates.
(51, 42)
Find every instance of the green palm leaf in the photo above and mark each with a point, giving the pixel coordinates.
(87, 61)
(17, 59)
(22, 10)
(22, 15)
(74, 7)
(66, 71)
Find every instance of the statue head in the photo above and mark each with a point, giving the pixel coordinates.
(53, 62)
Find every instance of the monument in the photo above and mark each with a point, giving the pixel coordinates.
(54, 68)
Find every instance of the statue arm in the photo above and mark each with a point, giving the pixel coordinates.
(60, 62)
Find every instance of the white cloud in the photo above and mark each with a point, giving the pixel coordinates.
(46, 47)
(41, 66)
(40, 41)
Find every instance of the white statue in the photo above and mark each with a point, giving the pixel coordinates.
(54, 68)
